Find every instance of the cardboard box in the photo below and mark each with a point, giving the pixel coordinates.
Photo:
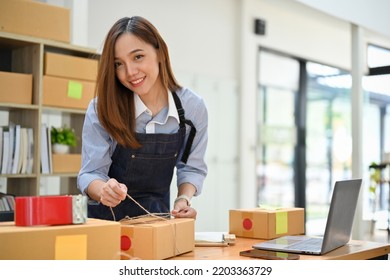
(266, 223)
(35, 19)
(15, 88)
(94, 240)
(61, 92)
(66, 163)
(156, 239)
(71, 67)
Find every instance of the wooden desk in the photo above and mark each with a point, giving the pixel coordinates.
(355, 250)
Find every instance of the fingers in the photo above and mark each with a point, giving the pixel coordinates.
(182, 210)
(122, 191)
(186, 212)
(112, 193)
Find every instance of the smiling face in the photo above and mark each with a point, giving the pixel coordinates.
(137, 65)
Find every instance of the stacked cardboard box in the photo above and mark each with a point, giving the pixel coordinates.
(35, 19)
(15, 88)
(67, 93)
(68, 81)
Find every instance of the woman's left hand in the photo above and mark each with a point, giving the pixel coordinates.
(182, 210)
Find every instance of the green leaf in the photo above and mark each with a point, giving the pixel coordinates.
(63, 135)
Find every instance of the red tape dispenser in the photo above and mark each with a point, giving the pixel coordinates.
(50, 210)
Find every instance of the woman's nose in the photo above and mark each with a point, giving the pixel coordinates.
(131, 69)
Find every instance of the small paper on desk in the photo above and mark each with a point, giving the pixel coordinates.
(213, 239)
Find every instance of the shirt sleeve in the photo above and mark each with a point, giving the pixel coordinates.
(195, 170)
(97, 149)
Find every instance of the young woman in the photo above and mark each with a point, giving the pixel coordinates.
(139, 127)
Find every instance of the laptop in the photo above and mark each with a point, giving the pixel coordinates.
(338, 225)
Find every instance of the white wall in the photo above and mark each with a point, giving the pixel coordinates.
(201, 34)
(369, 14)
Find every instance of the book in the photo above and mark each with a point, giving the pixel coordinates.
(44, 151)
(16, 153)
(214, 239)
(1, 147)
(11, 201)
(6, 151)
(49, 150)
(11, 145)
(23, 151)
(30, 150)
(7, 202)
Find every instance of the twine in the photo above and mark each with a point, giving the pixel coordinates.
(141, 220)
(148, 214)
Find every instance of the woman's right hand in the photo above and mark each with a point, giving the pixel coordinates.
(112, 193)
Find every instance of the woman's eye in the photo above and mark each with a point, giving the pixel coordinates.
(117, 64)
(138, 57)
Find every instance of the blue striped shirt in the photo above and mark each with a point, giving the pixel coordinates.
(98, 146)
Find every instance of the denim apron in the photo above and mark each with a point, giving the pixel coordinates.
(147, 171)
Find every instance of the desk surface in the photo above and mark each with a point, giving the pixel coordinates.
(354, 250)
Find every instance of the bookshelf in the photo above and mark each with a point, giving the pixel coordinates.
(26, 55)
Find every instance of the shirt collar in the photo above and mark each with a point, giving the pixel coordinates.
(140, 107)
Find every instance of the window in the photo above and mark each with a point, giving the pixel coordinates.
(296, 161)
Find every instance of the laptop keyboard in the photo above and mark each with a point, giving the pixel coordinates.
(307, 245)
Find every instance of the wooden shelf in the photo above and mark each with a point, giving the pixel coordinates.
(26, 54)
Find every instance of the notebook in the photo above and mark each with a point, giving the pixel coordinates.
(338, 225)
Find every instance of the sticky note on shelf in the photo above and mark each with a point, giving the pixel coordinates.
(75, 89)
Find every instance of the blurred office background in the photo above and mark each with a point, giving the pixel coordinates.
(298, 93)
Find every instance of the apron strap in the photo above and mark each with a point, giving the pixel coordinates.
(183, 122)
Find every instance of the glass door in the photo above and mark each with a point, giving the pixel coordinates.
(328, 139)
(278, 86)
(377, 140)
(304, 134)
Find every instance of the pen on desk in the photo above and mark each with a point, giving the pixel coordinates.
(211, 244)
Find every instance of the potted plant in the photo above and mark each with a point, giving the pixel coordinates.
(62, 139)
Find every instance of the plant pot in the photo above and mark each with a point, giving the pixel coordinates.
(60, 149)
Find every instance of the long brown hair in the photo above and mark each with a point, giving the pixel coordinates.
(115, 103)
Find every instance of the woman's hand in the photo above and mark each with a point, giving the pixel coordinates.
(182, 210)
(112, 193)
